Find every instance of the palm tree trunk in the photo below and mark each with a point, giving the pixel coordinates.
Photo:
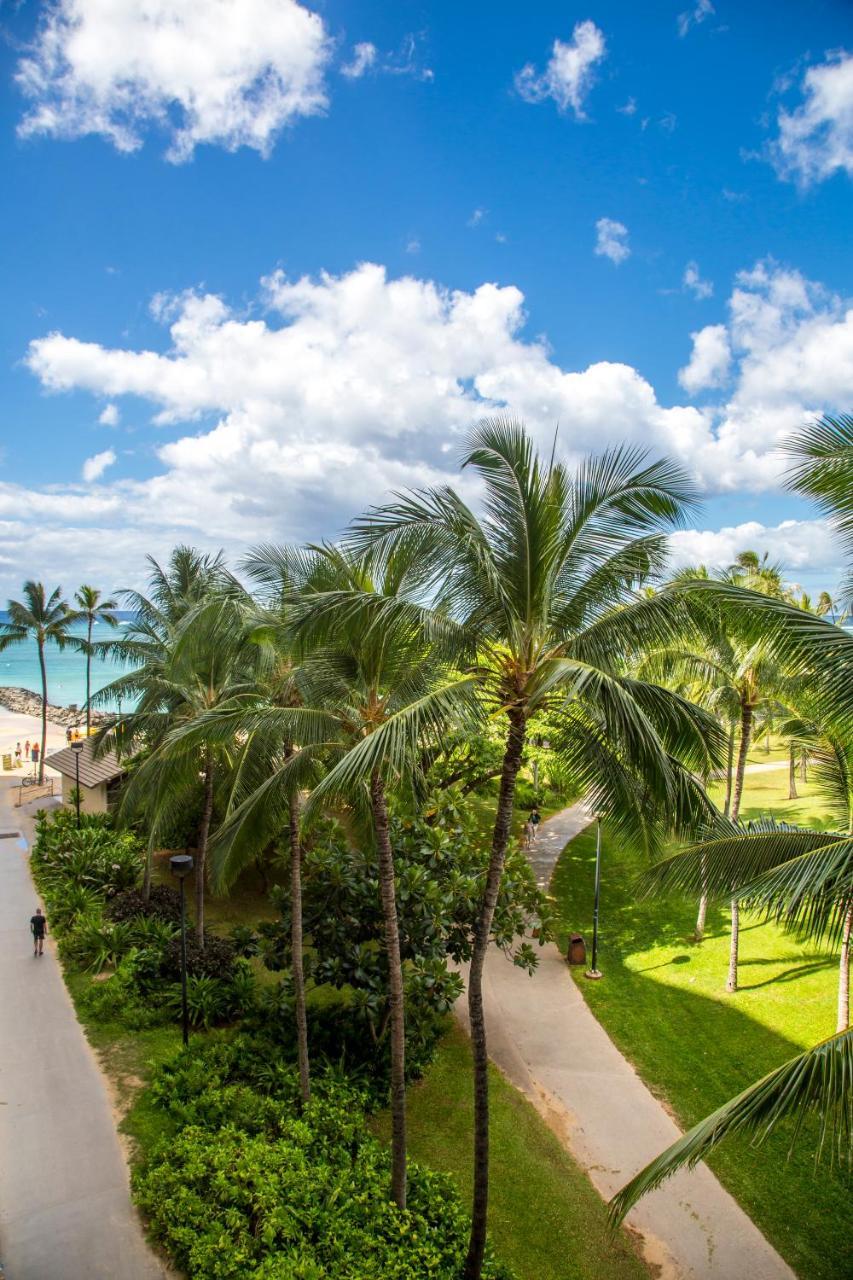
(729, 762)
(804, 766)
(201, 852)
(731, 982)
(43, 709)
(297, 964)
(844, 973)
(89, 677)
(792, 773)
(699, 932)
(500, 840)
(388, 892)
(746, 714)
(146, 875)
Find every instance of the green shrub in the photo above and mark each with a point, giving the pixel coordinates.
(117, 998)
(251, 1185)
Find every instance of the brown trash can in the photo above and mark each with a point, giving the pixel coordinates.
(577, 949)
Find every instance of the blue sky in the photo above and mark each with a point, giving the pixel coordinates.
(193, 348)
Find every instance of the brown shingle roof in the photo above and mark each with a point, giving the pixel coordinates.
(92, 771)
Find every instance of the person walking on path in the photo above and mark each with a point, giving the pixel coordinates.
(535, 818)
(18, 756)
(36, 752)
(27, 749)
(529, 833)
(38, 926)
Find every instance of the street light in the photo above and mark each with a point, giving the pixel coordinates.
(77, 747)
(181, 865)
(592, 971)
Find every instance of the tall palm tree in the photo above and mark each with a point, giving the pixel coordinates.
(187, 581)
(92, 608)
(541, 591)
(822, 469)
(43, 618)
(382, 692)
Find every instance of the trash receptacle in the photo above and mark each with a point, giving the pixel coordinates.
(577, 949)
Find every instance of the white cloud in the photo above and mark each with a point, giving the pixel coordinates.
(800, 546)
(629, 108)
(225, 72)
(693, 281)
(363, 60)
(611, 240)
(348, 386)
(710, 359)
(109, 416)
(816, 139)
(694, 17)
(94, 467)
(413, 245)
(569, 75)
(476, 217)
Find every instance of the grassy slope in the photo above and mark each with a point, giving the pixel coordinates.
(545, 1218)
(664, 1004)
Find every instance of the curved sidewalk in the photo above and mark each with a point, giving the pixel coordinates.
(65, 1208)
(545, 1039)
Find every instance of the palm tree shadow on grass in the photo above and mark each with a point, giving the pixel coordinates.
(696, 1052)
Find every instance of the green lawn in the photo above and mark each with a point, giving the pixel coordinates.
(545, 1218)
(664, 1004)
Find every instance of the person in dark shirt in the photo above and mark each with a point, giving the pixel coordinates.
(38, 927)
(535, 818)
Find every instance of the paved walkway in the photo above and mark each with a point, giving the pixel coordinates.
(65, 1209)
(545, 1039)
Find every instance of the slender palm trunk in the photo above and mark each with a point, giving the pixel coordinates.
(500, 840)
(297, 964)
(746, 715)
(201, 851)
(89, 677)
(703, 907)
(730, 757)
(844, 973)
(388, 892)
(146, 875)
(804, 766)
(792, 773)
(43, 666)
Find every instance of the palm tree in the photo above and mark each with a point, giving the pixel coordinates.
(382, 692)
(822, 469)
(208, 665)
(184, 584)
(44, 619)
(540, 591)
(92, 608)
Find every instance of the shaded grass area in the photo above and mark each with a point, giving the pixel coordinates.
(663, 1002)
(545, 1218)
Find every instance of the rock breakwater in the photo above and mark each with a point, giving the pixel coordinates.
(26, 703)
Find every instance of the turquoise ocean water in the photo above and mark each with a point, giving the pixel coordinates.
(66, 669)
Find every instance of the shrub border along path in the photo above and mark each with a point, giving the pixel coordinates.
(546, 1040)
(65, 1208)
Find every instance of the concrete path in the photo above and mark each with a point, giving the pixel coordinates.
(65, 1208)
(545, 1039)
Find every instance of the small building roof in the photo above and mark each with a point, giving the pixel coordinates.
(92, 771)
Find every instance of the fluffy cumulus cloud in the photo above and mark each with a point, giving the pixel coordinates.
(801, 547)
(109, 416)
(611, 240)
(227, 72)
(815, 140)
(570, 72)
(285, 421)
(94, 467)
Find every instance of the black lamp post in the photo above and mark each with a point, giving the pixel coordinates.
(181, 865)
(77, 747)
(593, 971)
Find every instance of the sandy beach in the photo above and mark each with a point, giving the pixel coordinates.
(15, 728)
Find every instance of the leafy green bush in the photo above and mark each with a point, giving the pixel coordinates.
(251, 1185)
(118, 999)
(94, 857)
(216, 960)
